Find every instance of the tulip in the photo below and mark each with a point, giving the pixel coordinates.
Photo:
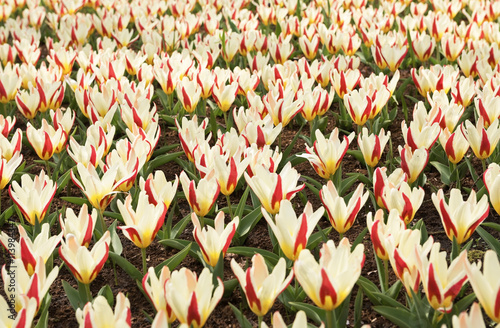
(100, 135)
(51, 94)
(158, 188)
(214, 241)
(316, 102)
(299, 321)
(482, 141)
(22, 319)
(8, 168)
(191, 134)
(359, 106)
(141, 225)
(393, 55)
(326, 154)
(454, 144)
(420, 134)
(461, 218)
(192, 298)
(261, 288)
(87, 154)
(27, 286)
(485, 285)
(441, 282)
(372, 145)
(201, 198)
(81, 226)
(342, 215)
(330, 281)
(154, 287)
(28, 102)
(224, 95)
(452, 46)
(344, 82)
(404, 258)
(491, 180)
(29, 251)
(83, 263)
(126, 163)
(46, 141)
(271, 188)
(99, 191)
(100, 314)
(6, 125)
(405, 200)
(264, 156)
(381, 182)
(473, 319)
(413, 162)
(309, 47)
(188, 92)
(282, 105)
(9, 84)
(292, 232)
(423, 46)
(382, 234)
(33, 197)
(63, 119)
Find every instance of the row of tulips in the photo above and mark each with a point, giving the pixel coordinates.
(132, 55)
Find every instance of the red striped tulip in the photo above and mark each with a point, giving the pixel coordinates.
(485, 285)
(143, 223)
(192, 298)
(405, 200)
(201, 198)
(381, 181)
(81, 226)
(454, 144)
(154, 287)
(359, 106)
(330, 281)
(33, 197)
(99, 191)
(28, 102)
(261, 288)
(46, 141)
(63, 118)
(22, 319)
(63, 58)
(229, 172)
(342, 215)
(29, 251)
(159, 189)
(473, 319)
(404, 258)
(27, 287)
(413, 162)
(309, 47)
(384, 234)
(483, 141)
(87, 154)
(6, 125)
(8, 168)
(461, 218)
(423, 46)
(224, 95)
(441, 282)
(9, 84)
(452, 46)
(491, 179)
(326, 154)
(344, 81)
(372, 145)
(264, 156)
(188, 92)
(100, 314)
(292, 232)
(214, 241)
(271, 188)
(84, 264)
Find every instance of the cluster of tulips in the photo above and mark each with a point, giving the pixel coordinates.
(86, 85)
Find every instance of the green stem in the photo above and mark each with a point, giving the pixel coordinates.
(341, 235)
(49, 173)
(483, 162)
(225, 120)
(202, 221)
(436, 317)
(102, 224)
(279, 141)
(87, 292)
(386, 274)
(259, 324)
(144, 264)
(331, 320)
(231, 214)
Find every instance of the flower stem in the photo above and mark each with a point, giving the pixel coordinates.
(386, 274)
(102, 224)
(47, 165)
(144, 264)
(331, 320)
(87, 292)
(483, 162)
(231, 214)
(259, 322)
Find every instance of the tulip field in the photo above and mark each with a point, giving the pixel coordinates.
(237, 163)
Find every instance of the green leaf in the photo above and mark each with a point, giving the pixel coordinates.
(359, 238)
(313, 182)
(180, 226)
(464, 303)
(251, 251)
(76, 200)
(358, 308)
(347, 183)
(248, 222)
(174, 260)
(108, 295)
(393, 291)
(126, 266)
(401, 317)
(116, 244)
(63, 181)
(491, 225)
(5, 215)
(313, 312)
(317, 237)
(244, 323)
(180, 244)
(242, 202)
(444, 170)
(370, 289)
(43, 321)
(73, 295)
(229, 286)
(489, 239)
(161, 160)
